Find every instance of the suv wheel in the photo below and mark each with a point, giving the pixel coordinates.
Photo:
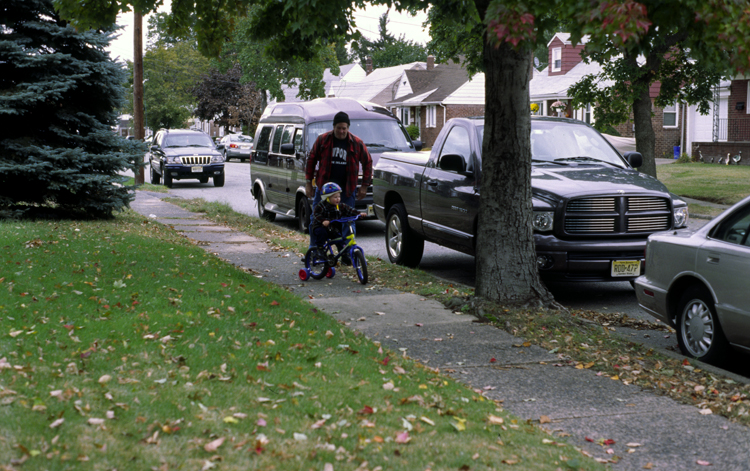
(219, 180)
(155, 178)
(167, 179)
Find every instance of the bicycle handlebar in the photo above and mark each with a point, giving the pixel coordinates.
(347, 219)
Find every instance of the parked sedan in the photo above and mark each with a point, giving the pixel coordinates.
(697, 281)
(236, 146)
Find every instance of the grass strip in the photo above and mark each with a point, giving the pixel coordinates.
(124, 345)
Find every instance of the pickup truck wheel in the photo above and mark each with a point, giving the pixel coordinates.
(303, 215)
(262, 213)
(405, 247)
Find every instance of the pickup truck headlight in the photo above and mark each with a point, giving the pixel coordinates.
(543, 221)
(680, 217)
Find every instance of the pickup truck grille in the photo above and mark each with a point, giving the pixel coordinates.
(617, 215)
(196, 159)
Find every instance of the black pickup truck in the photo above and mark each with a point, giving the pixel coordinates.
(592, 211)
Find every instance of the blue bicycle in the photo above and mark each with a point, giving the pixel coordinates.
(321, 261)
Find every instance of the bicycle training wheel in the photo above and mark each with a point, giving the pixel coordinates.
(360, 265)
(316, 262)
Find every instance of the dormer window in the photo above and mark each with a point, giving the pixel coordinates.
(557, 59)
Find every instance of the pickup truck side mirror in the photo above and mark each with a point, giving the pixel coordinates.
(287, 149)
(635, 159)
(417, 145)
(453, 163)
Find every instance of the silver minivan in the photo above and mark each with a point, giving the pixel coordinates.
(283, 140)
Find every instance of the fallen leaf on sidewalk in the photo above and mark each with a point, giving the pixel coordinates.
(703, 463)
(544, 420)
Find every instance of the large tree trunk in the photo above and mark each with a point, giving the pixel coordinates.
(645, 138)
(506, 257)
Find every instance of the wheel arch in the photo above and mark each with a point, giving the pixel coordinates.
(257, 189)
(678, 287)
(391, 198)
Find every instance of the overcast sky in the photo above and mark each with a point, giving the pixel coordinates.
(367, 23)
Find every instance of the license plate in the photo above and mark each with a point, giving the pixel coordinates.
(626, 267)
(370, 210)
(196, 169)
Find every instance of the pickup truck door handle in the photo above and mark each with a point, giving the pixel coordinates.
(713, 258)
(432, 182)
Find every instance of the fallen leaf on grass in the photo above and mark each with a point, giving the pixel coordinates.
(56, 423)
(403, 437)
(459, 424)
(214, 445)
(494, 420)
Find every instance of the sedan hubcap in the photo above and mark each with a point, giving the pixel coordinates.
(698, 328)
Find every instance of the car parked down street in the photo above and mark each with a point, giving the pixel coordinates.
(697, 282)
(236, 146)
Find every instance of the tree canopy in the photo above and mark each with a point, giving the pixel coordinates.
(387, 50)
(59, 96)
(223, 98)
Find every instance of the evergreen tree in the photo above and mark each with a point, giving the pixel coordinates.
(387, 50)
(59, 95)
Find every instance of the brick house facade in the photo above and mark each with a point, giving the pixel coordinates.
(566, 67)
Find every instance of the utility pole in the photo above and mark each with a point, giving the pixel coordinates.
(140, 132)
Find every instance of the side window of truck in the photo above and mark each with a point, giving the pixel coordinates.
(277, 139)
(457, 143)
(262, 145)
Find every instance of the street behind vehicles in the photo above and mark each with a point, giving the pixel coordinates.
(592, 210)
(697, 282)
(236, 146)
(178, 154)
(285, 136)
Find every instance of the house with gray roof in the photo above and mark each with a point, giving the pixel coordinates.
(428, 98)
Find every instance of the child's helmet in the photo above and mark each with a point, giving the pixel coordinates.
(329, 189)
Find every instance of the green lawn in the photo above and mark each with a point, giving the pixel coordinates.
(125, 346)
(707, 182)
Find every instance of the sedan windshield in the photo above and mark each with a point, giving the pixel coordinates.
(188, 140)
(558, 142)
(377, 134)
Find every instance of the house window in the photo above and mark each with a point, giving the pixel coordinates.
(431, 118)
(405, 116)
(557, 59)
(587, 114)
(670, 116)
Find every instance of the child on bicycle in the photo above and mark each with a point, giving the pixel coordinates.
(330, 208)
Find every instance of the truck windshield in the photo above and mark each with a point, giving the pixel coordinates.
(565, 142)
(555, 141)
(377, 134)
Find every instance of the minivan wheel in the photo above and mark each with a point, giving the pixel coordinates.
(405, 247)
(699, 333)
(262, 213)
(303, 215)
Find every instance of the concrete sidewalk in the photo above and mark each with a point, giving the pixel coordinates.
(530, 381)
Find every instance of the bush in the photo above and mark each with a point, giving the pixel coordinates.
(413, 131)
